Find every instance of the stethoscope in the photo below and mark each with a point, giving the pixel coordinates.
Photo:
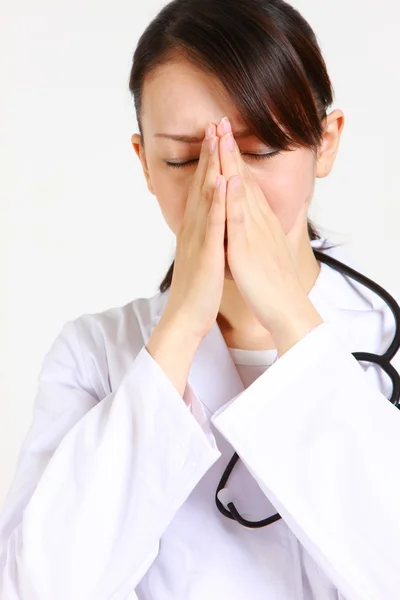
(383, 360)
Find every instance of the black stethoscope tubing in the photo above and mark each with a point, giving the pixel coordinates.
(383, 360)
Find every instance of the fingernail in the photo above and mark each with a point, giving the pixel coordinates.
(230, 142)
(225, 124)
(209, 130)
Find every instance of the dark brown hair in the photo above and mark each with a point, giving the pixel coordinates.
(264, 53)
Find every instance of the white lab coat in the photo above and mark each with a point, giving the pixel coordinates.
(113, 496)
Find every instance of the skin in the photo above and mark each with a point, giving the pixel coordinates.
(179, 98)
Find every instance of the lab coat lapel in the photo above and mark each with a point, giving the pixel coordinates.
(213, 376)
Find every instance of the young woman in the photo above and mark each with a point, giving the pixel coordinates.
(248, 348)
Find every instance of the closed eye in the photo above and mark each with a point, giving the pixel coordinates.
(252, 156)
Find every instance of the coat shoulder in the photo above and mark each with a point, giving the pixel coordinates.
(106, 342)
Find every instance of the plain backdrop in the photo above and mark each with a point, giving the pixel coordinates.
(79, 231)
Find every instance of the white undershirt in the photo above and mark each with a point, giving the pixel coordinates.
(251, 364)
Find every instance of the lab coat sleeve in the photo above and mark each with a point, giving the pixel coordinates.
(97, 480)
(323, 443)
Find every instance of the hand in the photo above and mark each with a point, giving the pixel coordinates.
(198, 277)
(259, 255)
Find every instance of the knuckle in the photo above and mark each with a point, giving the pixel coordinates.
(211, 180)
(206, 192)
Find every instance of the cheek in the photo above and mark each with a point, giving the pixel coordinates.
(287, 187)
(171, 193)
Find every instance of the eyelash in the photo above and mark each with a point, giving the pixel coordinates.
(255, 156)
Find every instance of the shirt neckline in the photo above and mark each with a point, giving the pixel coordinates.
(259, 358)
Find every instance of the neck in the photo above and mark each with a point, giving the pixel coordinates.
(236, 321)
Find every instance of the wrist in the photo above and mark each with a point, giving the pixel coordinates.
(294, 324)
(173, 349)
(176, 329)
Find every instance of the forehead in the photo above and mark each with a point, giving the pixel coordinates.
(179, 96)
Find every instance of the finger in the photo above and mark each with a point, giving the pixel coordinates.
(223, 127)
(214, 169)
(236, 167)
(204, 157)
(215, 231)
(231, 159)
(196, 184)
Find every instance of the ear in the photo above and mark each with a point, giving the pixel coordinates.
(333, 124)
(136, 141)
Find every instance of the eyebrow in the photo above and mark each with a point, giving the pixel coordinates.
(191, 139)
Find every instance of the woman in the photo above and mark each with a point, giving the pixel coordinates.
(247, 348)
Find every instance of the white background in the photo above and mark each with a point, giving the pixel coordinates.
(79, 232)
